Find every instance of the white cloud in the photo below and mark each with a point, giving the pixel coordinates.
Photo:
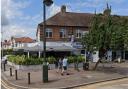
(87, 3)
(16, 31)
(53, 9)
(10, 11)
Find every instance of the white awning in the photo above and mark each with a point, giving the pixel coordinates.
(37, 47)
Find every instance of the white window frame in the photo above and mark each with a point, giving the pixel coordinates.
(48, 30)
(63, 33)
(85, 32)
(78, 32)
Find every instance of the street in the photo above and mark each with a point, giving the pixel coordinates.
(5, 85)
(116, 84)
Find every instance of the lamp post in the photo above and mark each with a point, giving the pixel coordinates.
(45, 66)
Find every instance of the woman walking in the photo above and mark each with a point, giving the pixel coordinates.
(60, 63)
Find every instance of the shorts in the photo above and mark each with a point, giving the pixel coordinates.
(65, 67)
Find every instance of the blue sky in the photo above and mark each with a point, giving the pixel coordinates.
(21, 17)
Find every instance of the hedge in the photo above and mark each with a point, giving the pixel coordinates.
(23, 60)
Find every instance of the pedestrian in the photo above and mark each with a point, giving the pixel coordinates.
(56, 63)
(60, 62)
(65, 64)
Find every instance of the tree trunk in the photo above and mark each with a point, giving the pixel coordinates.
(118, 54)
(97, 64)
(124, 55)
(101, 55)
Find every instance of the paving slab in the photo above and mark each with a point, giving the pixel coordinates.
(56, 80)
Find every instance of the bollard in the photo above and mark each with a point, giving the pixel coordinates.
(16, 74)
(28, 78)
(1, 66)
(10, 71)
(4, 67)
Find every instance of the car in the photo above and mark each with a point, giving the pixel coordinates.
(4, 59)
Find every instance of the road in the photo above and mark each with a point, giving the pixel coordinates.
(5, 85)
(2, 87)
(116, 84)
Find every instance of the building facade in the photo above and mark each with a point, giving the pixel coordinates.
(65, 26)
(16, 42)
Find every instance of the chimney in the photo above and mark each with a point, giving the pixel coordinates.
(63, 8)
(5, 40)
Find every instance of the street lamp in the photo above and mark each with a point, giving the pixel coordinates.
(45, 66)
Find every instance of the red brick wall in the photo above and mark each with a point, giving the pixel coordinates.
(56, 35)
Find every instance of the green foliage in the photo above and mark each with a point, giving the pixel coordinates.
(71, 59)
(51, 59)
(7, 51)
(74, 59)
(107, 32)
(80, 58)
(22, 60)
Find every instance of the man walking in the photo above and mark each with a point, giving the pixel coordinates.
(65, 64)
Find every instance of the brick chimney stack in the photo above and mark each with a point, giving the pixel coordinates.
(63, 8)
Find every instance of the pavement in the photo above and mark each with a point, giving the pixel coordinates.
(105, 72)
(115, 84)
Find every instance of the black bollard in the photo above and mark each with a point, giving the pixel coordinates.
(10, 71)
(1, 66)
(16, 75)
(28, 78)
(4, 67)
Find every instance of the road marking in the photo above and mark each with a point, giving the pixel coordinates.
(6, 85)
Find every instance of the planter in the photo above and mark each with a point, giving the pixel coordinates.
(28, 67)
(37, 67)
(25, 67)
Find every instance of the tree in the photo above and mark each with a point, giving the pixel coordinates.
(119, 40)
(107, 32)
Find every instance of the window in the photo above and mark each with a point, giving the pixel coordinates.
(78, 33)
(16, 44)
(49, 33)
(85, 32)
(62, 33)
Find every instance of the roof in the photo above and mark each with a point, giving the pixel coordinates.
(70, 19)
(64, 18)
(24, 40)
(6, 43)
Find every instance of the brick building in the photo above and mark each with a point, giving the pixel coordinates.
(65, 25)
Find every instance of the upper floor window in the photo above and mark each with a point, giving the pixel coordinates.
(62, 33)
(49, 33)
(78, 33)
(84, 33)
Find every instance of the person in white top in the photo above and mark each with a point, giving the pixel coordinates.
(65, 64)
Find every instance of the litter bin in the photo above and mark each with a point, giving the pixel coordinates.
(85, 66)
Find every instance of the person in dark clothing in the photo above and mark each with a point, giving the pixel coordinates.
(56, 64)
(60, 62)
